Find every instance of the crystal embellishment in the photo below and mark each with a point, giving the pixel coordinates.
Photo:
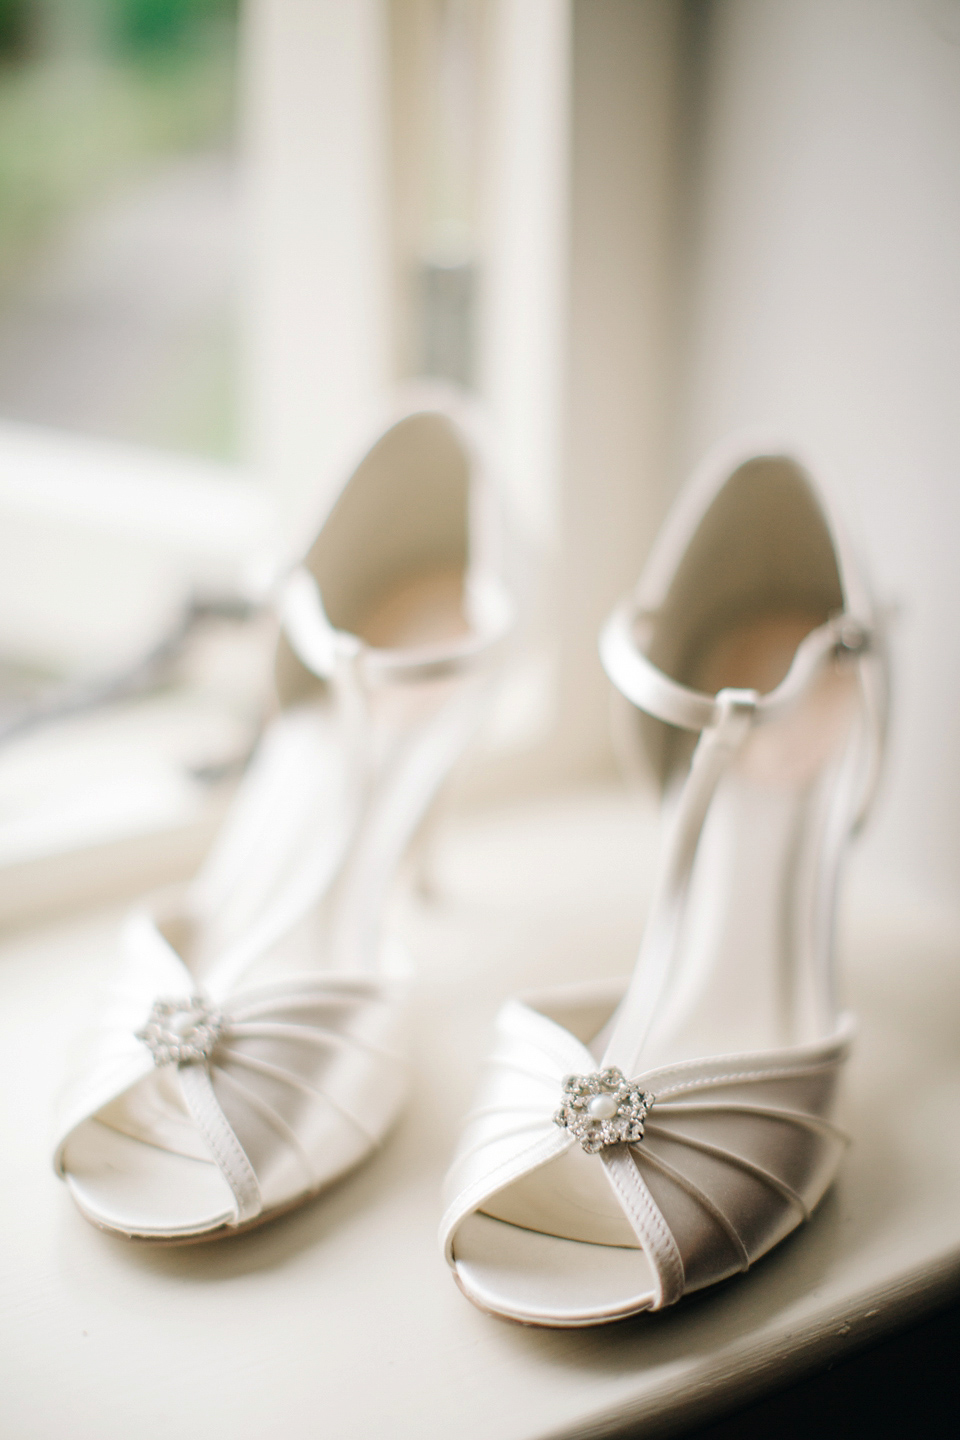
(182, 1032)
(603, 1109)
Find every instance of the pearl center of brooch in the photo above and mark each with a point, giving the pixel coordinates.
(603, 1109)
(182, 1032)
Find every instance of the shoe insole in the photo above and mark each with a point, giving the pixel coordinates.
(299, 819)
(423, 609)
(744, 975)
(538, 1277)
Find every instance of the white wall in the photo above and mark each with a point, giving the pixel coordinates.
(621, 340)
(826, 303)
(317, 306)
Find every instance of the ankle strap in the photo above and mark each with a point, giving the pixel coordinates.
(626, 633)
(322, 648)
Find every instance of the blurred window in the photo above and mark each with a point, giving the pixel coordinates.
(118, 219)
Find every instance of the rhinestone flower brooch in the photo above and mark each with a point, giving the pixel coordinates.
(603, 1109)
(180, 1032)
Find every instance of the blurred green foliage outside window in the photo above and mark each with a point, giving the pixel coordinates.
(91, 91)
(118, 219)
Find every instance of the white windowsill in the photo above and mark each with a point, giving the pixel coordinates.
(100, 546)
(342, 1318)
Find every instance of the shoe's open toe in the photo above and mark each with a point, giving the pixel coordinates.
(136, 1189)
(732, 1153)
(543, 1280)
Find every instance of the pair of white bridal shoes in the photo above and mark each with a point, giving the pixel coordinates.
(632, 1142)
(253, 1044)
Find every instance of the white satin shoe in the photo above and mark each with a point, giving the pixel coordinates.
(252, 1048)
(634, 1142)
